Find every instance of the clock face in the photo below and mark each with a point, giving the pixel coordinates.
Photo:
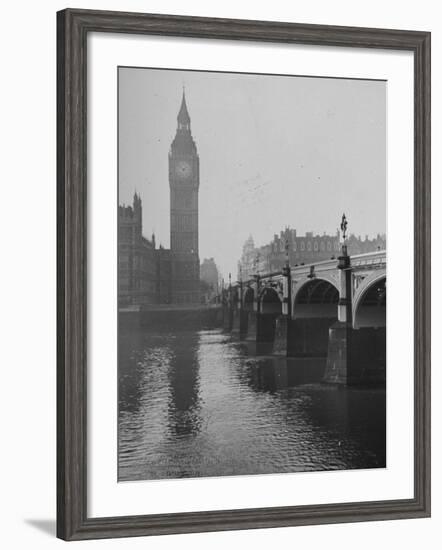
(183, 169)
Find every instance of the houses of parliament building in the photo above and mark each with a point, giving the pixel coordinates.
(151, 275)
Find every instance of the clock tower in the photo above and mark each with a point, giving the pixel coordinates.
(184, 185)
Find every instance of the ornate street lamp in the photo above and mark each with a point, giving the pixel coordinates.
(344, 304)
(257, 279)
(344, 224)
(287, 283)
(240, 286)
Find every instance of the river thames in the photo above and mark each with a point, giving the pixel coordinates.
(196, 403)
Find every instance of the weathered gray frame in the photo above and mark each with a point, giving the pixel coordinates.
(73, 27)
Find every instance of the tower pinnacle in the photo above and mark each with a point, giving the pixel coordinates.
(183, 143)
(183, 115)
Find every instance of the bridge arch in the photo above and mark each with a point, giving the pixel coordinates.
(270, 301)
(369, 302)
(270, 307)
(316, 297)
(249, 297)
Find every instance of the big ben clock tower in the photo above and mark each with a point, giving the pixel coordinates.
(184, 185)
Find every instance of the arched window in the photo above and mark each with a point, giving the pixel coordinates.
(309, 246)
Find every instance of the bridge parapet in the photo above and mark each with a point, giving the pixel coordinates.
(372, 260)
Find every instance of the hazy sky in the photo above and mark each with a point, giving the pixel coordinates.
(274, 151)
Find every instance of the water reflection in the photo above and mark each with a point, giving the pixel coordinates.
(184, 413)
(197, 404)
(272, 374)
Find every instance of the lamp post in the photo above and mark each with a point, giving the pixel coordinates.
(287, 284)
(258, 281)
(344, 224)
(341, 367)
(344, 304)
(240, 286)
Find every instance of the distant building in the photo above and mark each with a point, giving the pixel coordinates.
(253, 260)
(150, 275)
(302, 249)
(209, 276)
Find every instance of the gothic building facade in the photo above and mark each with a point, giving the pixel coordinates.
(151, 275)
(136, 258)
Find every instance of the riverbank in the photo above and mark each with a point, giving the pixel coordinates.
(174, 316)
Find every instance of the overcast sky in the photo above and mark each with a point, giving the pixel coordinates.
(274, 151)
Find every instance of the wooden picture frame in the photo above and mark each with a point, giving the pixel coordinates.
(73, 27)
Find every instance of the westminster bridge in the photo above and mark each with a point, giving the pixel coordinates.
(335, 309)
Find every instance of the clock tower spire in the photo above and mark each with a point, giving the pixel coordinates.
(183, 116)
(184, 186)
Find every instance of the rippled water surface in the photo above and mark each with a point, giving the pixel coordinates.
(197, 404)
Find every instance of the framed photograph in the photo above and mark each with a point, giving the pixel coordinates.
(232, 198)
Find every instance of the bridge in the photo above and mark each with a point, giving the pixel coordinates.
(335, 309)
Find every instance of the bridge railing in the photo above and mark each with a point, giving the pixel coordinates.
(358, 260)
(369, 259)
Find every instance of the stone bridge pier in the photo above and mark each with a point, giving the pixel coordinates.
(357, 341)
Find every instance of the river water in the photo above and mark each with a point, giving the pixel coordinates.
(196, 403)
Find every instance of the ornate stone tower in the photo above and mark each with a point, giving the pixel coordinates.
(184, 185)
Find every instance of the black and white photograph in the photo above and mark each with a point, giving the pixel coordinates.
(252, 258)
(202, 205)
